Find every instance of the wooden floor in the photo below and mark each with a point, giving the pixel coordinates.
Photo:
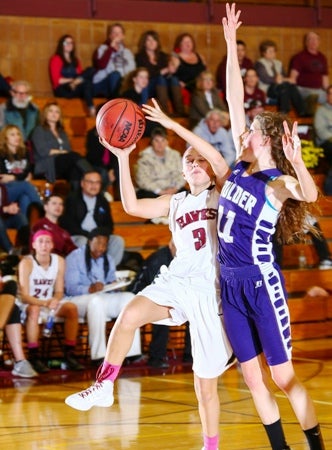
(154, 409)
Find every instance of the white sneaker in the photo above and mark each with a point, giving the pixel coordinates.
(24, 369)
(99, 394)
(325, 264)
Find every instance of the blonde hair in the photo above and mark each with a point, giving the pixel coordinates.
(5, 152)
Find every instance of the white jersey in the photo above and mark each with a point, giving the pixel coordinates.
(193, 222)
(41, 281)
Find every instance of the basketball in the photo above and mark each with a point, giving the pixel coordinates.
(121, 122)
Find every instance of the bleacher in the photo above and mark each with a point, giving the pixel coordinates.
(311, 317)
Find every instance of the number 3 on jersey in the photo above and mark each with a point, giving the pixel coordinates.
(225, 224)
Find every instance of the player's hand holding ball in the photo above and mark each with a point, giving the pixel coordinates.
(120, 122)
(115, 150)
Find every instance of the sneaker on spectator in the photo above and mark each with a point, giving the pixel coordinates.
(39, 366)
(99, 394)
(325, 264)
(71, 363)
(24, 369)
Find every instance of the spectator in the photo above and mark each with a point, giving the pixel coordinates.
(67, 76)
(186, 61)
(112, 61)
(87, 208)
(10, 217)
(158, 344)
(19, 110)
(323, 126)
(88, 270)
(102, 161)
(214, 129)
(62, 241)
(204, 98)
(254, 97)
(162, 85)
(10, 319)
(158, 169)
(309, 71)
(53, 155)
(135, 88)
(273, 81)
(4, 87)
(41, 278)
(244, 62)
(15, 169)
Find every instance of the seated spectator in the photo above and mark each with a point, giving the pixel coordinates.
(159, 168)
(309, 71)
(86, 208)
(135, 86)
(103, 161)
(15, 169)
(254, 97)
(244, 62)
(53, 156)
(273, 81)
(19, 110)
(88, 270)
(151, 56)
(11, 217)
(323, 126)
(67, 76)
(62, 241)
(10, 320)
(158, 344)
(112, 61)
(4, 87)
(204, 98)
(215, 130)
(187, 63)
(41, 279)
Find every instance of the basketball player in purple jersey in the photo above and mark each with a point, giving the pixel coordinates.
(188, 290)
(256, 200)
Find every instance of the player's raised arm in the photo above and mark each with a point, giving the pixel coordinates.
(234, 82)
(146, 208)
(217, 162)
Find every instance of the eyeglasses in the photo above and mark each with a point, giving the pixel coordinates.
(67, 42)
(20, 92)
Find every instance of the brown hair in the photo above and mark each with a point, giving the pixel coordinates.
(128, 81)
(43, 118)
(293, 219)
(265, 45)
(142, 40)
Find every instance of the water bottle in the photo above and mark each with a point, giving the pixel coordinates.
(47, 190)
(302, 260)
(48, 328)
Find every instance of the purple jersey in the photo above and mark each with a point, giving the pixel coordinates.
(247, 220)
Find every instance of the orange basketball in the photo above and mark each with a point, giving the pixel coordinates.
(121, 122)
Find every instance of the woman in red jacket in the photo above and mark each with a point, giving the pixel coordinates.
(67, 76)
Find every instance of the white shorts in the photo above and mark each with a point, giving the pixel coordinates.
(189, 302)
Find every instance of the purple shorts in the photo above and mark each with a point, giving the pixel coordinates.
(256, 314)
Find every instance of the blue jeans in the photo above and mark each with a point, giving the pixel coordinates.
(108, 87)
(16, 221)
(23, 193)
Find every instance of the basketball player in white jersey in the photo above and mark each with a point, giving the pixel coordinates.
(185, 291)
(41, 279)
